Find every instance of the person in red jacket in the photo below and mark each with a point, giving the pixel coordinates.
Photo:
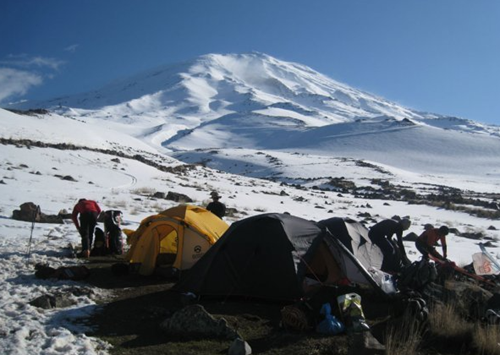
(84, 217)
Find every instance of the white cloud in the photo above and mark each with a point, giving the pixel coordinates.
(20, 73)
(16, 82)
(28, 62)
(46, 62)
(72, 48)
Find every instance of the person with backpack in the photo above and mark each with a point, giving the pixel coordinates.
(216, 207)
(84, 217)
(112, 229)
(426, 242)
(381, 235)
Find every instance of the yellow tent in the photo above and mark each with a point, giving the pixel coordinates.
(176, 237)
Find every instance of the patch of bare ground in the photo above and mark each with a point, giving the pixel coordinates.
(130, 321)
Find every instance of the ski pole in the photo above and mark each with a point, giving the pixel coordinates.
(35, 214)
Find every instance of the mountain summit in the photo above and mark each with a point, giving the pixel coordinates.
(215, 85)
(255, 101)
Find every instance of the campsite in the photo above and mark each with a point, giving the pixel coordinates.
(113, 310)
(242, 278)
(131, 320)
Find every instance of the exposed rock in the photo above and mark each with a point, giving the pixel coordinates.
(410, 237)
(177, 197)
(475, 236)
(52, 301)
(159, 194)
(68, 178)
(195, 322)
(30, 212)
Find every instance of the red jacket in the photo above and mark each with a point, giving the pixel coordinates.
(82, 207)
(431, 237)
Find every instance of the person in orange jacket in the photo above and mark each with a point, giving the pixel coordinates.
(426, 242)
(84, 217)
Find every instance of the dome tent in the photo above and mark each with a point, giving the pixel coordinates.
(270, 256)
(176, 237)
(354, 236)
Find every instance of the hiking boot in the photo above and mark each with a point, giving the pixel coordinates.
(85, 254)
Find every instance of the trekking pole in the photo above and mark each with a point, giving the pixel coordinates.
(35, 214)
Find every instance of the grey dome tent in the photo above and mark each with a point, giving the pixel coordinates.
(269, 256)
(354, 236)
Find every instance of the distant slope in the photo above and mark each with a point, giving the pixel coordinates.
(403, 144)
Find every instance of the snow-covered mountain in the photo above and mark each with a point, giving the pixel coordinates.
(214, 85)
(269, 136)
(254, 101)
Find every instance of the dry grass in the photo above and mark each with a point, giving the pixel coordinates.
(487, 339)
(144, 191)
(445, 322)
(404, 338)
(447, 330)
(118, 204)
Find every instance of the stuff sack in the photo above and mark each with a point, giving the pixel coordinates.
(330, 324)
(352, 312)
(101, 246)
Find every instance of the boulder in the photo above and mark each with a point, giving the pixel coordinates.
(177, 197)
(52, 301)
(28, 212)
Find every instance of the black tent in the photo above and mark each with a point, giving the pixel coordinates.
(270, 256)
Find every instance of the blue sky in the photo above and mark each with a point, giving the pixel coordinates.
(439, 56)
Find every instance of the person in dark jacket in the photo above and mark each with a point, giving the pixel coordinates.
(216, 207)
(84, 217)
(381, 235)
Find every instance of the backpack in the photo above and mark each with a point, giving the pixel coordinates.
(112, 220)
(112, 223)
(101, 245)
(417, 275)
